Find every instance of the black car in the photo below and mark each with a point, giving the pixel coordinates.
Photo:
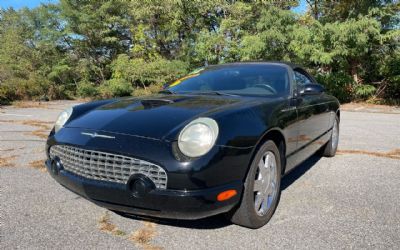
(216, 141)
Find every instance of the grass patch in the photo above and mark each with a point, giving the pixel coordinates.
(393, 154)
(26, 104)
(43, 127)
(9, 121)
(143, 236)
(43, 134)
(384, 101)
(37, 123)
(43, 130)
(105, 225)
(10, 149)
(6, 161)
(6, 150)
(39, 164)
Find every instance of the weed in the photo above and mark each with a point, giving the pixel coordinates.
(144, 235)
(105, 225)
(7, 161)
(39, 164)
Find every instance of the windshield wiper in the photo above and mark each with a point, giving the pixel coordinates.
(167, 91)
(212, 93)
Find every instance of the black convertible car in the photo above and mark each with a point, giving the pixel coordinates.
(216, 141)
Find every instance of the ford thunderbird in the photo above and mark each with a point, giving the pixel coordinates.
(217, 141)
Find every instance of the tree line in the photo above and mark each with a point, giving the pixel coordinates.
(102, 49)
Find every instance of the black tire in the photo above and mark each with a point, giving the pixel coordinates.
(245, 214)
(330, 148)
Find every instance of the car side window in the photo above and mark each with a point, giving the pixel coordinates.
(301, 79)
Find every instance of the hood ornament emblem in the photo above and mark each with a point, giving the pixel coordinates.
(94, 135)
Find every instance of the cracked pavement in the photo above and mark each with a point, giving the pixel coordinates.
(349, 201)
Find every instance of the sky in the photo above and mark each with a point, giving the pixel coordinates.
(17, 4)
(301, 8)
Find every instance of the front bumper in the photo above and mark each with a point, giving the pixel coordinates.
(173, 204)
(192, 187)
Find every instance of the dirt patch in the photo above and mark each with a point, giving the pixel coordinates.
(6, 161)
(105, 225)
(39, 164)
(143, 236)
(393, 154)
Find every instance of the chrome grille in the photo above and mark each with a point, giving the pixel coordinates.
(105, 166)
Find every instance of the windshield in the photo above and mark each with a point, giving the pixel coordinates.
(241, 79)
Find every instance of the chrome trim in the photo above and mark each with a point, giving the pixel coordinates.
(94, 135)
(106, 166)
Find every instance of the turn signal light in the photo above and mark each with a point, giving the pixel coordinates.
(226, 195)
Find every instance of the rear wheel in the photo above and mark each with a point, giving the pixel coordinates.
(261, 189)
(330, 148)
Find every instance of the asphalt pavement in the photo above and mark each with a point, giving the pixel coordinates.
(349, 201)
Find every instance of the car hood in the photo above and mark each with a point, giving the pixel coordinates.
(155, 116)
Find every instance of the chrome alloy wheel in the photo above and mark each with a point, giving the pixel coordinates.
(335, 134)
(265, 183)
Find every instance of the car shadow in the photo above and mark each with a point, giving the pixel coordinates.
(219, 221)
(299, 171)
(213, 222)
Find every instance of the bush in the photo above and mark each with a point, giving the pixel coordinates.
(393, 89)
(7, 94)
(150, 90)
(338, 84)
(143, 73)
(364, 91)
(86, 89)
(115, 88)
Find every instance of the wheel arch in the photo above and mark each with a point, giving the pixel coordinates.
(277, 136)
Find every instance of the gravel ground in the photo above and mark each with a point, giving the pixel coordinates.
(349, 201)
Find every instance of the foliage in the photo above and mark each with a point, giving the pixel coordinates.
(86, 89)
(113, 48)
(115, 88)
(142, 74)
(338, 84)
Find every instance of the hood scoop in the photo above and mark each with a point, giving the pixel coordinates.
(155, 103)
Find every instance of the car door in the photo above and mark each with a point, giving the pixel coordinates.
(313, 114)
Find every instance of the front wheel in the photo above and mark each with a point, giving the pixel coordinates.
(261, 189)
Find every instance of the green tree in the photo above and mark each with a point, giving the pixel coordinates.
(97, 32)
(119, 47)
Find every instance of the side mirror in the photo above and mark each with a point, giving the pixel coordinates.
(312, 89)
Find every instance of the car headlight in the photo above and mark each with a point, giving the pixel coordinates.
(198, 137)
(62, 119)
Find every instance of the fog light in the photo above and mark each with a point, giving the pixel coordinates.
(55, 165)
(226, 195)
(139, 185)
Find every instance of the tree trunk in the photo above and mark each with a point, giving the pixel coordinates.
(353, 71)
